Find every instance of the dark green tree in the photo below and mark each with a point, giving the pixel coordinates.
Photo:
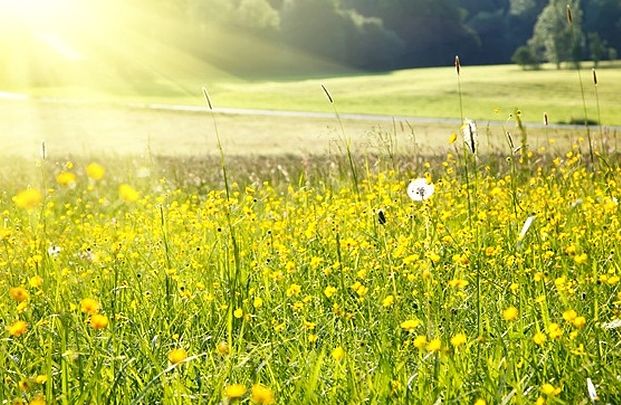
(525, 57)
(324, 28)
(554, 38)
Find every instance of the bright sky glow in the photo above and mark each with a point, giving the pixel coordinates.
(34, 12)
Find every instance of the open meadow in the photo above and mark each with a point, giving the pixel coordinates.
(263, 202)
(143, 277)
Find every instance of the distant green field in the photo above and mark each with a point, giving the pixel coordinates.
(489, 92)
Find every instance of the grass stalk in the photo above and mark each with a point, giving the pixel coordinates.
(570, 21)
(346, 141)
(599, 114)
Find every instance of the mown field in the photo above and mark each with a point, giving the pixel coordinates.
(313, 279)
(489, 92)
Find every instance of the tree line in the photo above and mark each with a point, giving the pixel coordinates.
(389, 34)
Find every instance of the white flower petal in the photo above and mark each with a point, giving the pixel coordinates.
(612, 324)
(591, 389)
(527, 224)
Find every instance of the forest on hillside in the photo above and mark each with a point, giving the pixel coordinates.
(388, 34)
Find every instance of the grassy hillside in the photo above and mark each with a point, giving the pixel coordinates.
(489, 92)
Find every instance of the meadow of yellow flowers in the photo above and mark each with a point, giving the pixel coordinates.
(490, 279)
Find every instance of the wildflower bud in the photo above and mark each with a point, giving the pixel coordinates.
(207, 98)
(381, 217)
(44, 149)
(325, 90)
(570, 18)
(545, 119)
(510, 140)
(594, 77)
(457, 65)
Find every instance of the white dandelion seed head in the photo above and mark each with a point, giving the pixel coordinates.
(53, 251)
(420, 190)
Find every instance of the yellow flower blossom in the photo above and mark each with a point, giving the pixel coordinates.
(128, 194)
(261, 394)
(338, 353)
(539, 338)
(434, 345)
(89, 306)
(388, 301)
(234, 391)
(99, 321)
(17, 328)
(176, 356)
(95, 171)
(65, 178)
(458, 340)
(410, 324)
(510, 314)
(28, 199)
(19, 294)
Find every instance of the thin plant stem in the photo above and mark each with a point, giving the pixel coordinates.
(346, 141)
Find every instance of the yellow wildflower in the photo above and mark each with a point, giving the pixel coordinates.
(37, 400)
(65, 178)
(99, 321)
(35, 281)
(555, 331)
(28, 199)
(458, 340)
(95, 171)
(510, 314)
(539, 338)
(452, 138)
(262, 395)
(128, 194)
(18, 328)
(19, 294)
(434, 345)
(410, 324)
(329, 291)
(223, 348)
(550, 390)
(234, 391)
(388, 301)
(420, 342)
(338, 353)
(176, 356)
(89, 306)
(579, 322)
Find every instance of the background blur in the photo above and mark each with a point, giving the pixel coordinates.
(152, 45)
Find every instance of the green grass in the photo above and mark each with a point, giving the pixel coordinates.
(295, 285)
(490, 93)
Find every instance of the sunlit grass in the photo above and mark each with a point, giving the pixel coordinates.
(129, 285)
